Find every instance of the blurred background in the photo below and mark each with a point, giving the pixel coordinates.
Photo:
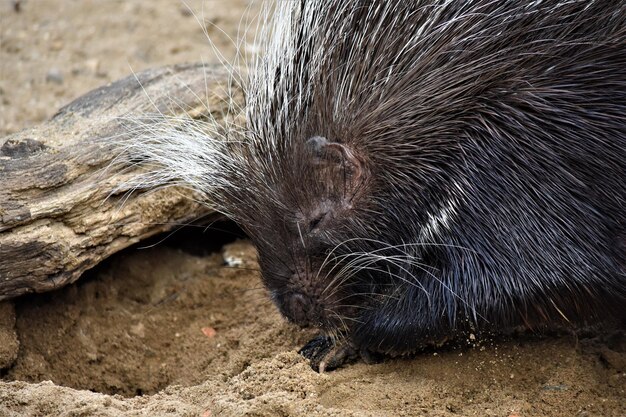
(52, 51)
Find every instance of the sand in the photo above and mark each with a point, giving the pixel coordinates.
(181, 325)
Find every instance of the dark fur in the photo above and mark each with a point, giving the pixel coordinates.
(513, 116)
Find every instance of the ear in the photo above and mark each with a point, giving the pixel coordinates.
(341, 158)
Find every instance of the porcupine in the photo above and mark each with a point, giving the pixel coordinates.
(414, 171)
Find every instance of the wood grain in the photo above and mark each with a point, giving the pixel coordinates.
(57, 217)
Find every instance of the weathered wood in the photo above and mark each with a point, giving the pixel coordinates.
(55, 218)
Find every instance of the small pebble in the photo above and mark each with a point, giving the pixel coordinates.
(185, 11)
(138, 330)
(54, 75)
(209, 331)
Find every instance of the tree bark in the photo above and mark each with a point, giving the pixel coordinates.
(57, 217)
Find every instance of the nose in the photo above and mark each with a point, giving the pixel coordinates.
(299, 308)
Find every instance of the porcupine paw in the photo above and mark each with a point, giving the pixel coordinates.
(326, 356)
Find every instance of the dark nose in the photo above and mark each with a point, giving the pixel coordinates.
(299, 308)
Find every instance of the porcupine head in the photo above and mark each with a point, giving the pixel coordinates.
(400, 185)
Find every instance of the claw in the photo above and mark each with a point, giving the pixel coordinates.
(337, 356)
(326, 356)
(316, 350)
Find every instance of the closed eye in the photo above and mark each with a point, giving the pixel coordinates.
(316, 221)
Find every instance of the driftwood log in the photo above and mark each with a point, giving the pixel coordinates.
(57, 218)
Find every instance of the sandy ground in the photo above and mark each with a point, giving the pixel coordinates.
(178, 328)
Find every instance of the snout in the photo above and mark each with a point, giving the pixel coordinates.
(300, 309)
